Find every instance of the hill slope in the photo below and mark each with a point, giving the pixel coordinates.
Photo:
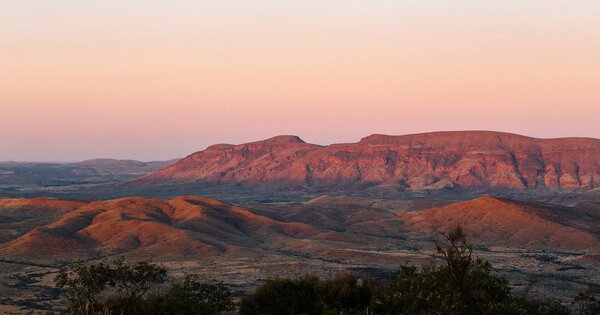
(184, 226)
(18, 216)
(498, 222)
(196, 227)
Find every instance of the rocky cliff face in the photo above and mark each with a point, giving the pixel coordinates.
(466, 160)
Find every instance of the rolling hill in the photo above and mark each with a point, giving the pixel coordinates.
(144, 227)
(196, 227)
(497, 222)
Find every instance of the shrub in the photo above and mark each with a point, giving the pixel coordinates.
(588, 302)
(546, 307)
(283, 297)
(195, 298)
(346, 293)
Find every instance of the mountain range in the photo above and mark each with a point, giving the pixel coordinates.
(444, 162)
(437, 165)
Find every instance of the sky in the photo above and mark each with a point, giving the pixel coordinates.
(154, 80)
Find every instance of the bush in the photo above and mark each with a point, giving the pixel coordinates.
(547, 307)
(283, 297)
(121, 288)
(588, 302)
(346, 294)
(195, 298)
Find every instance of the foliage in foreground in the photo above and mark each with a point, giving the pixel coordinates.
(456, 283)
(120, 288)
(588, 302)
(461, 284)
(343, 294)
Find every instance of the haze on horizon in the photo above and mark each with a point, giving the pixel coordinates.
(152, 80)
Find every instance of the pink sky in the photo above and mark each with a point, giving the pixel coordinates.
(161, 79)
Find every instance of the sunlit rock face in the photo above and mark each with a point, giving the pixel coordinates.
(466, 160)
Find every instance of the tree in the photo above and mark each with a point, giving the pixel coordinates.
(473, 287)
(461, 284)
(131, 283)
(84, 284)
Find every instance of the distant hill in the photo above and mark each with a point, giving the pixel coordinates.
(447, 162)
(125, 166)
(25, 178)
